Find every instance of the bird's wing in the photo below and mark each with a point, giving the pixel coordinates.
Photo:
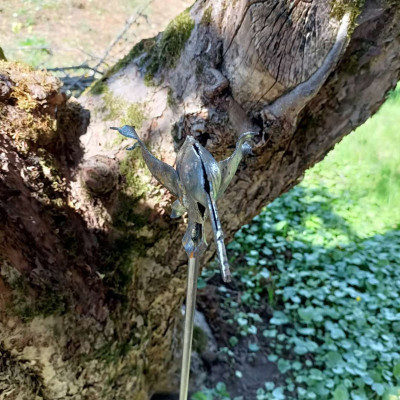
(163, 172)
(229, 166)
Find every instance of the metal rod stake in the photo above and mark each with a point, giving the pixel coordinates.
(193, 271)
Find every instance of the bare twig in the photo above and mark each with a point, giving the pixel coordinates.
(75, 67)
(131, 20)
(77, 78)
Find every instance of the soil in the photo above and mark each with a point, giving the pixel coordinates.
(60, 33)
(255, 367)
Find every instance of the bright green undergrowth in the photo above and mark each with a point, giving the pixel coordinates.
(326, 258)
(365, 168)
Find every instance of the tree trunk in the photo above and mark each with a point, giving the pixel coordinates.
(92, 267)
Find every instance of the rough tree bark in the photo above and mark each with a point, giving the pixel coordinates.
(92, 268)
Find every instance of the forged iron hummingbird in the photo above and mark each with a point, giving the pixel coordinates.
(198, 181)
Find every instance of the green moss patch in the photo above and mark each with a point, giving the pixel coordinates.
(170, 98)
(134, 116)
(199, 340)
(207, 18)
(341, 7)
(27, 109)
(129, 113)
(128, 217)
(165, 53)
(27, 304)
(98, 87)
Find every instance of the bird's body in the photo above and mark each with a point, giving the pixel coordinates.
(198, 181)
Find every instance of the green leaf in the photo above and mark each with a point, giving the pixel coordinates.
(306, 314)
(233, 341)
(221, 389)
(254, 347)
(283, 365)
(269, 333)
(272, 357)
(378, 388)
(280, 225)
(269, 386)
(201, 283)
(337, 333)
(333, 359)
(253, 329)
(279, 318)
(301, 349)
(238, 374)
(341, 393)
(297, 365)
(358, 395)
(396, 370)
(306, 331)
(278, 393)
(200, 396)
(392, 394)
(396, 327)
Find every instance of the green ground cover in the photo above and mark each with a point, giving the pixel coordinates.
(326, 259)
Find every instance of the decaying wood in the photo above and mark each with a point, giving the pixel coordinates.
(92, 267)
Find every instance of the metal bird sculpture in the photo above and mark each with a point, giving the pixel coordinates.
(198, 181)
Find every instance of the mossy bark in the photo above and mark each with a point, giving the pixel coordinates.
(92, 268)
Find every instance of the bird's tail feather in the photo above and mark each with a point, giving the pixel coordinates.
(219, 240)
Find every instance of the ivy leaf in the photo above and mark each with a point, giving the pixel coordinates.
(221, 389)
(201, 283)
(396, 370)
(278, 393)
(272, 357)
(269, 333)
(254, 347)
(301, 349)
(280, 225)
(306, 331)
(333, 359)
(297, 365)
(253, 329)
(341, 393)
(200, 396)
(233, 341)
(283, 365)
(269, 385)
(396, 327)
(279, 318)
(358, 395)
(378, 388)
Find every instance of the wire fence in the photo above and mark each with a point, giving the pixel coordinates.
(77, 78)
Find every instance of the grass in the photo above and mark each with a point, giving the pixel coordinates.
(319, 291)
(365, 167)
(36, 49)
